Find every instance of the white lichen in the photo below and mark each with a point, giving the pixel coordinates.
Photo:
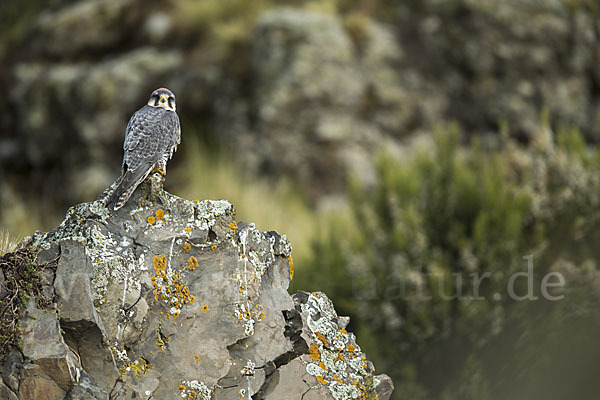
(315, 370)
(338, 363)
(256, 256)
(248, 370)
(202, 391)
(113, 262)
(341, 391)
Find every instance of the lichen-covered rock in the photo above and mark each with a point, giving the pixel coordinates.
(85, 26)
(328, 358)
(168, 298)
(311, 92)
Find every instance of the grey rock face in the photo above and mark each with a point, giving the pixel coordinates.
(172, 298)
(498, 62)
(3, 291)
(315, 97)
(6, 393)
(85, 26)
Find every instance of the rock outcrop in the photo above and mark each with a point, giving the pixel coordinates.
(167, 298)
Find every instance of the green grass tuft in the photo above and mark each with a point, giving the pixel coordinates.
(21, 272)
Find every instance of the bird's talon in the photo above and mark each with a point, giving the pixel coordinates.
(158, 170)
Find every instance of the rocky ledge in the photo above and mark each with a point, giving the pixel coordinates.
(170, 298)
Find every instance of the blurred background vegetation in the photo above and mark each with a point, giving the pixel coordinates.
(398, 144)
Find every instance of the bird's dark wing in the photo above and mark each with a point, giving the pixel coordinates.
(171, 130)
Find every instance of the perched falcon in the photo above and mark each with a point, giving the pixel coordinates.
(152, 136)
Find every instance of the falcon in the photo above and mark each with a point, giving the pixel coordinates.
(152, 136)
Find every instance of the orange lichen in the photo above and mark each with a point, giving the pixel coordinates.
(159, 263)
(313, 352)
(205, 308)
(321, 337)
(160, 342)
(192, 263)
(261, 316)
(181, 387)
(291, 267)
(350, 347)
(213, 247)
(233, 226)
(187, 247)
(197, 358)
(322, 366)
(344, 331)
(138, 367)
(151, 219)
(159, 214)
(321, 380)
(171, 289)
(188, 230)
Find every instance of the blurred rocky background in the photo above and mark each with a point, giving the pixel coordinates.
(407, 140)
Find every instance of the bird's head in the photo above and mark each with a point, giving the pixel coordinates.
(162, 98)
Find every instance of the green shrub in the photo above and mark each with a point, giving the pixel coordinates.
(424, 236)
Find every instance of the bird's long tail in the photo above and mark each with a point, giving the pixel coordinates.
(130, 180)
